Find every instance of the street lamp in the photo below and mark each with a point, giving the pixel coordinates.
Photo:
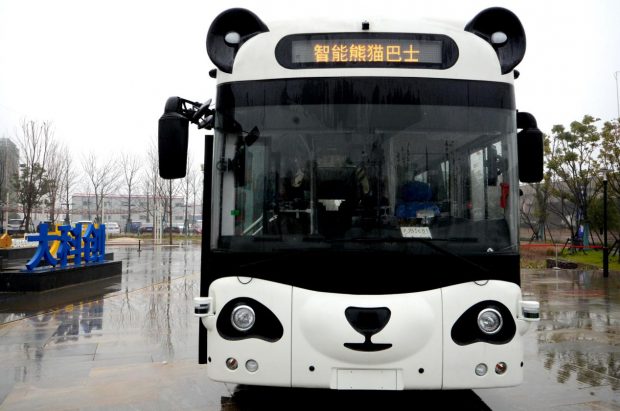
(605, 250)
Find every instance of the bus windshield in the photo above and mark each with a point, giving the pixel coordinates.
(393, 168)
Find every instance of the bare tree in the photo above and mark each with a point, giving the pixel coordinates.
(147, 190)
(169, 189)
(163, 192)
(85, 187)
(188, 187)
(35, 141)
(56, 172)
(195, 188)
(103, 177)
(130, 166)
(152, 182)
(67, 181)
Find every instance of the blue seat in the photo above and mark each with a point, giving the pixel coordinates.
(415, 196)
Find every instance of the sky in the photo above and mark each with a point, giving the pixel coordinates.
(102, 71)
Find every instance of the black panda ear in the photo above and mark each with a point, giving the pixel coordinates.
(227, 34)
(502, 29)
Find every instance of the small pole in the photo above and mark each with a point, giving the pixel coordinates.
(605, 249)
(139, 241)
(557, 267)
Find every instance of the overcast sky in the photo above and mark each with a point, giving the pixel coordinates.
(101, 71)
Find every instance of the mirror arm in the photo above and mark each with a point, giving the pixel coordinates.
(189, 110)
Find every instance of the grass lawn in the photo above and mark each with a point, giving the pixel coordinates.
(592, 257)
(535, 257)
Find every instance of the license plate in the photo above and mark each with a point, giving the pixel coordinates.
(367, 379)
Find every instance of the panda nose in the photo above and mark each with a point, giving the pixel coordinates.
(368, 321)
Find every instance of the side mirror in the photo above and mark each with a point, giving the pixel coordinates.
(530, 149)
(172, 143)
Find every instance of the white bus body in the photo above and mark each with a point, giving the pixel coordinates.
(394, 263)
(311, 351)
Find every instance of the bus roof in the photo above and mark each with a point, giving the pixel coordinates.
(255, 59)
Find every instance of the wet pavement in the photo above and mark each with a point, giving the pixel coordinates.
(130, 342)
(573, 357)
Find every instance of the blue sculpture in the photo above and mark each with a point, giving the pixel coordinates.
(71, 240)
(43, 250)
(70, 244)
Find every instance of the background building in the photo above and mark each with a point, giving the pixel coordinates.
(115, 208)
(9, 166)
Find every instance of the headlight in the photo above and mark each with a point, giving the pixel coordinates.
(490, 321)
(242, 317)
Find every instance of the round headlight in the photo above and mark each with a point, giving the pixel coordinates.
(243, 318)
(490, 321)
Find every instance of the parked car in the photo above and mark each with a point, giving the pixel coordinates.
(83, 222)
(15, 226)
(145, 228)
(175, 230)
(112, 228)
(135, 226)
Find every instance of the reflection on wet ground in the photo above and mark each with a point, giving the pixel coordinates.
(579, 332)
(140, 269)
(105, 346)
(130, 342)
(573, 356)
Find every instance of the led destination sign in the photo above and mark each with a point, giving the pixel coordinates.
(376, 51)
(367, 50)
